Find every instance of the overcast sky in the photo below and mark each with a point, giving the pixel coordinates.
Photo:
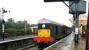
(33, 10)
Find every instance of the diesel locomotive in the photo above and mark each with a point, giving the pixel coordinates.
(50, 32)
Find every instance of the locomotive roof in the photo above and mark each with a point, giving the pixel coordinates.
(48, 21)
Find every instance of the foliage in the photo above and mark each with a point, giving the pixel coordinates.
(16, 28)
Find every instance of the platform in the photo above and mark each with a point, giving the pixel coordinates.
(68, 44)
(81, 45)
(16, 38)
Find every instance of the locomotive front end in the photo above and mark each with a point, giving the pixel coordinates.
(44, 34)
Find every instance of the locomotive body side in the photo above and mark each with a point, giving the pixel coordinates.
(49, 33)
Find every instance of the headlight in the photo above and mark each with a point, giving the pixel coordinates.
(43, 26)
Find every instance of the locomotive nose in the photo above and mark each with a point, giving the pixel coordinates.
(43, 39)
(44, 36)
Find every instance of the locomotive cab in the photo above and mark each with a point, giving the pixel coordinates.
(44, 33)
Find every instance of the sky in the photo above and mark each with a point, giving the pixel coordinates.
(34, 10)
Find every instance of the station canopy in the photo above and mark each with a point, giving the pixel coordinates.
(58, 0)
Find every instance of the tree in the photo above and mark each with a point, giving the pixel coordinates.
(17, 28)
(10, 23)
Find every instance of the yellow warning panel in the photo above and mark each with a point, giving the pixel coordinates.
(44, 32)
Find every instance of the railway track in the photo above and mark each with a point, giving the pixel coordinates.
(31, 46)
(18, 43)
(58, 44)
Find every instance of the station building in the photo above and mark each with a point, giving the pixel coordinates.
(82, 24)
(34, 28)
